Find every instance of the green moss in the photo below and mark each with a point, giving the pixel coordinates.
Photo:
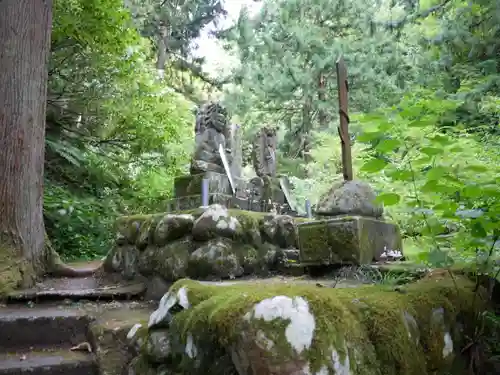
(138, 229)
(15, 272)
(169, 261)
(352, 240)
(367, 323)
(313, 243)
(141, 366)
(147, 231)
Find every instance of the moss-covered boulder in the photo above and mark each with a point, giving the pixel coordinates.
(349, 198)
(117, 333)
(350, 239)
(281, 230)
(216, 221)
(172, 227)
(124, 259)
(291, 329)
(216, 258)
(169, 261)
(205, 243)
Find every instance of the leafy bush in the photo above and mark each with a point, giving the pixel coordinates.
(79, 226)
(444, 181)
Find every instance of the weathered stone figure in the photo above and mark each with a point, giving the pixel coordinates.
(264, 152)
(211, 131)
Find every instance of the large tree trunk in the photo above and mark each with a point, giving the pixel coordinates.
(25, 27)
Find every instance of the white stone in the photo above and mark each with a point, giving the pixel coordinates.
(166, 303)
(233, 223)
(300, 331)
(133, 331)
(339, 367)
(448, 345)
(222, 225)
(183, 298)
(191, 349)
(215, 211)
(116, 261)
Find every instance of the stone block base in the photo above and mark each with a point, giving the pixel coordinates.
(346, 240)
(191, 184)
(229, 201)
(187, 193)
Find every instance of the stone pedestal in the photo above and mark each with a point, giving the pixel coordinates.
(189, 202)
(346, 240)
(191, 184)
(249, 195)
(267, 188)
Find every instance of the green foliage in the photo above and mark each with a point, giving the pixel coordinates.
(116, 136)
(79, 226)
(453, 178)
(288, 75)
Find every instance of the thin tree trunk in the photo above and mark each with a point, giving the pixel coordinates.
(322, 116)
(307, 130)
(25, 27)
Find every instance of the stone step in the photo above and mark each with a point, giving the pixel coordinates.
(81, 288)
(27, 328)
(55, 361)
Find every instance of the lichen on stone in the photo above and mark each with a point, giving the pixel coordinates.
(203, 243)
(361, 331)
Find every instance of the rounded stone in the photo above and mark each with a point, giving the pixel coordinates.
(350, 198)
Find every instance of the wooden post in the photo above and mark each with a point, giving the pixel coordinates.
(343, 129)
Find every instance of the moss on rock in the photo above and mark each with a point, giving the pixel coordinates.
(363, 330)
(164, 244)
(13, 271)
(350, 239)
(114, 349)
(169, 261)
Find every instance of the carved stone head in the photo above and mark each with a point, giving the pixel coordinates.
(270, 135)
(214, 115)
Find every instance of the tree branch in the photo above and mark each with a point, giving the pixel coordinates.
(414, 17)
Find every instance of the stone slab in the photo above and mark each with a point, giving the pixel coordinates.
(49, 362)
(229, 201)
(346, 240)
(78, 289)
(28, 328)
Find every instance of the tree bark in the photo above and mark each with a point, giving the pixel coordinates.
(25, 28)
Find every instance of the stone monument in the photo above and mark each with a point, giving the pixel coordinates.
(264, 152)
(266, 186)
(351, 229)
(218, 158)
(212, 130)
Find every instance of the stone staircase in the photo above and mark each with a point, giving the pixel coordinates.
(47, 330)
(38, 341)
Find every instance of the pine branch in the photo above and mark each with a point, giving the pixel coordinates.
(183, 65)
(414, 17)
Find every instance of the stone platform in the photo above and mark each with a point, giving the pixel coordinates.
(346, 240)
(250, 195)
(191, 184)
(194, 201)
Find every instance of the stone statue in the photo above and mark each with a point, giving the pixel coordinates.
(212, 130)
(264, 153)
(264, 163)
